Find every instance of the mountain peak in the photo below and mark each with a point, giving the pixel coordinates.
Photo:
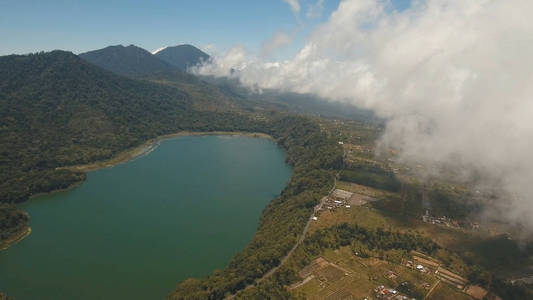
(182, 56)
(129, 61)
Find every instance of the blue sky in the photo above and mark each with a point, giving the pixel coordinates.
(79, 26)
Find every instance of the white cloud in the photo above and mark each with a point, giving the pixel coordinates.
(280, 39)
(234, 59)
(294, 4)
(453, 79)
(315, 10)
(209, 48)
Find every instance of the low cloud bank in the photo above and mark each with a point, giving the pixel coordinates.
(453, 79)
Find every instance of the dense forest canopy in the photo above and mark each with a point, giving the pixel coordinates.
(59, 110)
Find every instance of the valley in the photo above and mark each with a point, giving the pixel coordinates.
(344, 226)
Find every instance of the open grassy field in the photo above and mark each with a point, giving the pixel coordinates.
(445, 292)
(366, 190)
(361, 215)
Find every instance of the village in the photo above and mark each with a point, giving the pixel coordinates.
(332, 276)
(339, 198)
(338, 276)
(448, 222)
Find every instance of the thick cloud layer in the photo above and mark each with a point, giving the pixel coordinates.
(454, 79)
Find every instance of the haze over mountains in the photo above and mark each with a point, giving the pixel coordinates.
(169, 66)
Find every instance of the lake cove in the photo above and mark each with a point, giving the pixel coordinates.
(134, 230)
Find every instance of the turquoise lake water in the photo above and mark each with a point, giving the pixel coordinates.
(134, 230)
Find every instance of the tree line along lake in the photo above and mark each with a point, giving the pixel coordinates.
(132, 231)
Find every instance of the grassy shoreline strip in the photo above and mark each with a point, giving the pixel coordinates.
(16, 238)
(148, 146)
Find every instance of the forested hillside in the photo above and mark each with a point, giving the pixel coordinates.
(58, 110)
(206, 96)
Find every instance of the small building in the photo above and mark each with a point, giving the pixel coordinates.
(341, 195)
(425, 263)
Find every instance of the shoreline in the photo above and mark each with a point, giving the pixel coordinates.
(74, 185)
(139, 151)
(147, 147)
(18, 237)
(128, 155)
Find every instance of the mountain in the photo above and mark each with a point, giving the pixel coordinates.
(182, 56)
(129, 61)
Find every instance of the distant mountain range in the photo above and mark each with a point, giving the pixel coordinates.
(134, 61)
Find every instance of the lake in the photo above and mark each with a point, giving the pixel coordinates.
(134, 230)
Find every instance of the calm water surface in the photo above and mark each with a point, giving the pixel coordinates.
(134, 230)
